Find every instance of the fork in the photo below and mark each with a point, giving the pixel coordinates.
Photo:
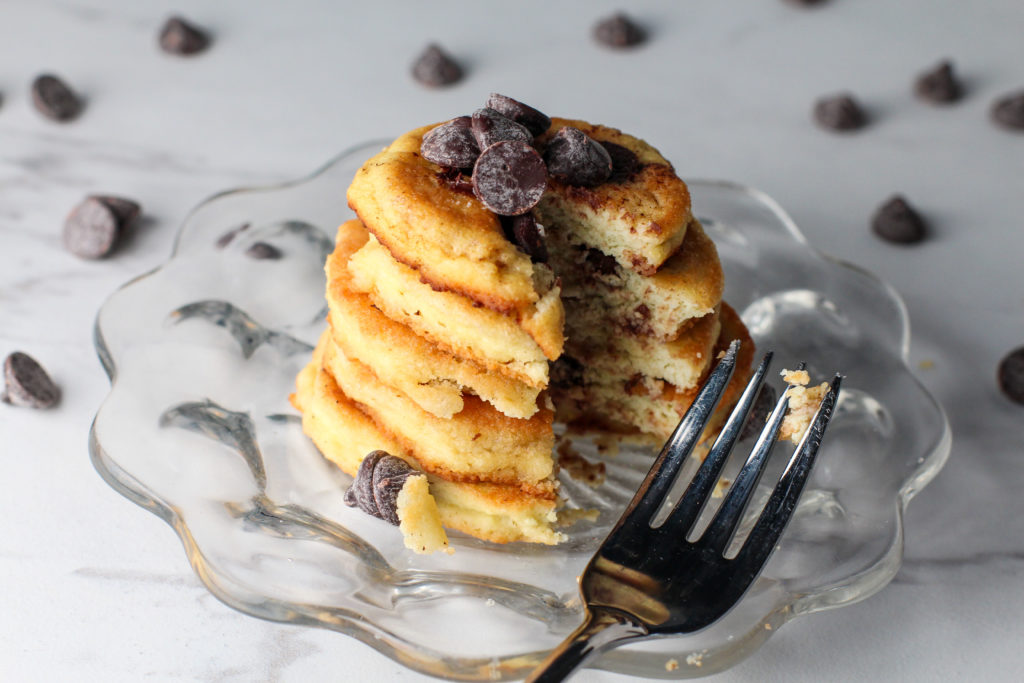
(649, 579)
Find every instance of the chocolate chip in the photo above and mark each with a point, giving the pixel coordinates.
(1011, 375)
(574, 158)
(435, 68)
(179, 37)
(618, 31)
(839, 113)
(389, 475)
(489, 127)
(1008, 111)
(263, 251)
(125, 210)
(625, 162)
(939, 85)
(91, 229)
(509, 177)
(536, 122)
(451, 144)
(896, 221)
(225, 239)
(360, 493)
(567, 372)
(528, 235)
(601, 262)
(456, 180)
(54, 99)
(27, 384)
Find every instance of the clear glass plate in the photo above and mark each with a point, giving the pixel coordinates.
(202, 354)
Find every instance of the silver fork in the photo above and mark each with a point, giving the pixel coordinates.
(648, 580)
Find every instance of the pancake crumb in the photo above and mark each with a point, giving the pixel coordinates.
(803, 403)
(420, 521)
(578, 467)
(672, 664)
(570, 516)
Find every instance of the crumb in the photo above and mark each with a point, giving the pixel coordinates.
(607, 444)
(420, 521)
(672, 664)
(926, 364)
(695, 659)
(767, 627)
(796, 377)
(803, 403)
(721, 486)
(578, 467)
(569, 516)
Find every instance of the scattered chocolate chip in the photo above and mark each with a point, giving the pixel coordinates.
(451, 144)
(1008, 111)
(489, 126)
(840, 113)
(601, 262)
(528, 235)
(509, 177)
(456, 180)
(759, 412)
(180, 37)
(435, 68)
(263, 251)
(896, 221)
(625, 163)
(574, 158)
(1011, 375)
(225, 239)
(125, 210)
(27, 383)
(939, 85)
(536, 122)
(389, 475)
(618, 31)
(91, 229)
(54, 99)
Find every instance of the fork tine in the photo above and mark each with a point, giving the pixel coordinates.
(697, 492)
(779, 508)
(726, 519)
(687, 433)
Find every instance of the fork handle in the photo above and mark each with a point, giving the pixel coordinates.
(600, 630)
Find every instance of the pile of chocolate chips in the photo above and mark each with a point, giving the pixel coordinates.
(378, 481)
(496, 148)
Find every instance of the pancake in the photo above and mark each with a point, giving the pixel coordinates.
(449, 237)
(476, 444)
(589, 397)
(430, 376)
(640, 220)
(344, 435)
(688, 285)
(453, 322)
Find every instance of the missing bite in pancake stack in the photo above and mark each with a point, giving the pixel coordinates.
(507, 269)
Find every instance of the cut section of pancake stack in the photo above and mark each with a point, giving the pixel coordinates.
(456, 338)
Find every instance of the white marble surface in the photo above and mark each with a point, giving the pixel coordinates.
(94, 588)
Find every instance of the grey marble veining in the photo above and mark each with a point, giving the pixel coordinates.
(96, 589)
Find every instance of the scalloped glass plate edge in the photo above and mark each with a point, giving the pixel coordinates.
(850, 589)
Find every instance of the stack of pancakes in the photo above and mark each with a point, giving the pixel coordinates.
(449, 347)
